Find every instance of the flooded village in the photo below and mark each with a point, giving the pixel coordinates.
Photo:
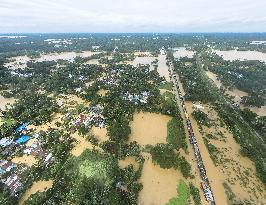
(115, 125)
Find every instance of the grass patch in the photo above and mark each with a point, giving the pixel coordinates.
(194, 191)
(167, 86)
(213, 151)
(182, 195)
(176, 134)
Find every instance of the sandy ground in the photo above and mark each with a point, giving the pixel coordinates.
(241, 55)
(182, 52)
(149, 128)
(39, 186)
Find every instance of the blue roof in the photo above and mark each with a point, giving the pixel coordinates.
(22, 126)
(22, 139)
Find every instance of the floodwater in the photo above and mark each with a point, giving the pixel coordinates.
(102, 92)
(159, 185)
(259, 111)
(235, 167)
(237, 94)
(100, 133)
(162, 67)
(213, 173)
(39, 186)
(143, 60)
(29, 160)
(5, 101)
(128, 161)
(241, 55)
(149, 128)
(147, 60)
(21, 61)
(182, 52)
(81, 146)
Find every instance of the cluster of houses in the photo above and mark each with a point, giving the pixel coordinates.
(10, 173)
(136, 98)
(205, 185)
(94, 117)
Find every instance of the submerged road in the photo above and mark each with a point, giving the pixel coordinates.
(205, 185)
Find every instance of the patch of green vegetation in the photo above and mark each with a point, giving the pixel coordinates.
(201, 118)
(182, 195)
(194, 191)
(166, 157)
(229, 193)
(169, 105)
(167, 86)
(213, 151)
(176, 135)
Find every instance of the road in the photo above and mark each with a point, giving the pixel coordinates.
(205, 185)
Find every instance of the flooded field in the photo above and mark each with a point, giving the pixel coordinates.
(237, 171)
(39, 186)
(241, 55)
(29, 160)
(162, 67)
(149, 128)
(159, 185)
(143, 60)
(102, 92)
(5, 101)
(21, 61)
(128, 161)
(259, 111)
(237, 94)
(100, 133)
(183, 52)
(81, 145)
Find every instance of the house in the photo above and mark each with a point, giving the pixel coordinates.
(4, 142)
(22, 126)
(6, 166)
(22, 139)
(13, 182)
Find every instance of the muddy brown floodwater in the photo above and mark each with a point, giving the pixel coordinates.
(39, 186)
(149, 128)
(159, 185)
(241, 55)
